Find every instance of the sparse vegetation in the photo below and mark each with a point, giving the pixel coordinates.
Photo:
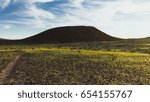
(6, 57)
(65, 66)
(117, 62)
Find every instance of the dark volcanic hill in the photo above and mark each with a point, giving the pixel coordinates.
(5, 41)
(66, 34)
(69, 34)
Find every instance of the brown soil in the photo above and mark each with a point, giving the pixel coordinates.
(5, 73)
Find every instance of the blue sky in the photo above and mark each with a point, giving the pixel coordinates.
(119, 18)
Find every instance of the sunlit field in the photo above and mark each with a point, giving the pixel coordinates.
(123, 62)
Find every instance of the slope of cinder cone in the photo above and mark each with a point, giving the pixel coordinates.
(69, 34)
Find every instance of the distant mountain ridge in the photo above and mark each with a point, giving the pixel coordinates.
(66, 34)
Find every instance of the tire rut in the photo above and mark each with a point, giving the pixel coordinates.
(5, 73)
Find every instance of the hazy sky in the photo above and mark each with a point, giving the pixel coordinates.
(120, 18)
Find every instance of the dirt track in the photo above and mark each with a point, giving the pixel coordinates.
(5, 73)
